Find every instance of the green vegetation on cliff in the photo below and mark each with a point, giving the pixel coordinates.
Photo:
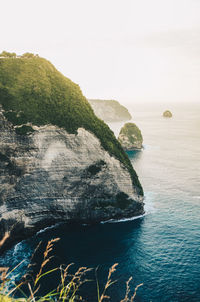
(130, 137)
(167, 113)
(33, 91)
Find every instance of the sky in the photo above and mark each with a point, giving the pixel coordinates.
(129, 50)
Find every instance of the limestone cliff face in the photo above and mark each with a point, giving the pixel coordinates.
(52, 176)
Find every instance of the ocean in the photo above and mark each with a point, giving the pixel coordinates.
(160, 249)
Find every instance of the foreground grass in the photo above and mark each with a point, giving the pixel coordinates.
(67, 290)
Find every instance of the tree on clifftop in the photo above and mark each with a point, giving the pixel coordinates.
(28, 55)
(7, 54)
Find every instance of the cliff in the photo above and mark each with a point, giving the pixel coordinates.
(110, 110)
(58, 161)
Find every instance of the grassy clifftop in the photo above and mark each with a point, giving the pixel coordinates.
(33, 91)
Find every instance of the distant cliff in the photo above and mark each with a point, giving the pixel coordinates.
(110, 110)
(58, 161)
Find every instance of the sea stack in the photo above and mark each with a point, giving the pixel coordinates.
(167, 113)
(130, 137)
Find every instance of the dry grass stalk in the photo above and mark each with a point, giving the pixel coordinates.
(69, 283)
(73, 283)
(133, 297)
(32, 294)
(5, 237)
(28, 274)
(126, 298)
(46, 258)
(3, 271)
(108, 284)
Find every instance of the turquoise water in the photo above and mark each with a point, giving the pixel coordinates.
(161, 249)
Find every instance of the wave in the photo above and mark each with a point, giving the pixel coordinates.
(196, 197)
(49, 228)
(148, 203)
(150, 147)
(17, 259)
(123, 219)
(148, 207)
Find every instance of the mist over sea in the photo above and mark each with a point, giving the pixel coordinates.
(160, 249)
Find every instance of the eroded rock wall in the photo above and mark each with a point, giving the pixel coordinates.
(52, 176)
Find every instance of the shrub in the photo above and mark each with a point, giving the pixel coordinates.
(24, 130)
(7, 54)
(96, 168)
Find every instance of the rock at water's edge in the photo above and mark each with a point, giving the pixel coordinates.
(167, 113)
(130, 137)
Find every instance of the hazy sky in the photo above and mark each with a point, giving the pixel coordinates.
(130, 50)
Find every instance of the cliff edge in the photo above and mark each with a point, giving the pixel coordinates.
(58, 161)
